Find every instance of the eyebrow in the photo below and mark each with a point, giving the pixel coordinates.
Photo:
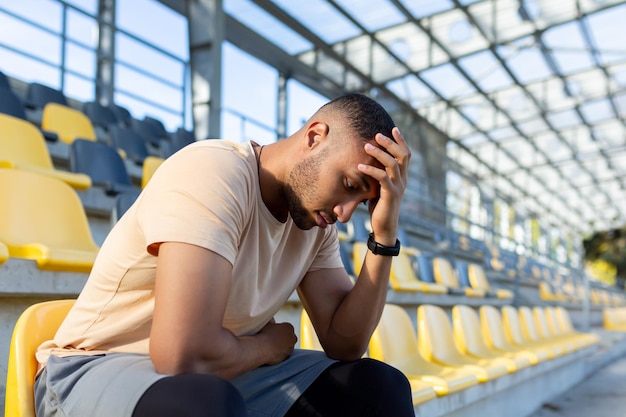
(365, 181)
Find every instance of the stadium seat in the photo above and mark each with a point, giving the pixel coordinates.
(517, 335)
(394, 342)
(308, 337)
(103, 164)
(4, 81)
(36, 324)
(470, 341)
(37, 97)
(102, 118)
(42, 218)
(69, 124)
(23, 147)
(478, 280)
(123, 201)
(181, 138)
(345, 251)
(4, 253)
(495, 337)
(534, 334)
(582, 339)
(445, 275)
(565, 323)
(435, 339)
(402, 277)
(11, 104)
(614, 318)
(123, 116)
(150, 164)
(149, 130)
(131, 143)
(545, 331)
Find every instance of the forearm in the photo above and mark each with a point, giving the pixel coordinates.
(222, 354)
(359, 311)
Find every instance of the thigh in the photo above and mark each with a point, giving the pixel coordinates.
(96, 386)
(365, 387)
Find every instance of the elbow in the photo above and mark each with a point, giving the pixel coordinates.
(346, 352)
(168, 360)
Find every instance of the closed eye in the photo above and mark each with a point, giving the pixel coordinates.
(349, 185)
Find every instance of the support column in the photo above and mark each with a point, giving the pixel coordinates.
(206, 34)
(105, 78)
(281, 113)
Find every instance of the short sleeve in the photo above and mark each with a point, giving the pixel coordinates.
(198, 196)
(328, 256)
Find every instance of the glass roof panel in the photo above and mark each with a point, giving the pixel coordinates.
(420, 52)
(373, 16)
(411, 89)
(553, 12)
(330, 25)
(568, 47)
(607, 32)
(500, 20)
(457, 35)
(424, 8)
(596, 111)
(446, 80)
(267, 26)
(563, 119)
(525, 61)
(486, 71)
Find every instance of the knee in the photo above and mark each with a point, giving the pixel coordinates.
(383, 374)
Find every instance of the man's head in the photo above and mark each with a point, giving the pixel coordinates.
(325, 185)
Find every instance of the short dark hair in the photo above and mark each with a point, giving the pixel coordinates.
(363, 114)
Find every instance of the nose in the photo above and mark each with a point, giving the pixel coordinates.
(343, 211)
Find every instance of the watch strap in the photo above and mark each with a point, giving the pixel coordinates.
(378, 249)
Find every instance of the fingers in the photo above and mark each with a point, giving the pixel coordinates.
(393, 155)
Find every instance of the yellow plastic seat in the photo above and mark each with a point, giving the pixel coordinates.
(35, 325)
(42, 218)
(494, 334)
(532, 333)
(435, 339)
(24, 147)
(308, 337)
(394, 342)
(402, 276)
(478, 280)
(469, 340)
(4, 253)
(614, 318)
(517, 333)
(548, 331)
(150, 165)
(583, 339)
(445, 275)
(547, 292)
(69, 124)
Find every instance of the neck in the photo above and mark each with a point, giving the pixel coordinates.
(269, 170)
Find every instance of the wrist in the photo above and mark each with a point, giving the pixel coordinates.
(382, 249)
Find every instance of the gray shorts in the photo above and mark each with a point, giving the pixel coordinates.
(112, 384)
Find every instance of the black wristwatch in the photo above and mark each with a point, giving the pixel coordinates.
(383, 250)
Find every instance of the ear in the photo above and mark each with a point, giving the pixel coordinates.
(316, 133)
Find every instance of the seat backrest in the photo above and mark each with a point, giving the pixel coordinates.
(529, 328)
(122, 114)
(11, 104)
(123, 201)
(36, 324)
(99, 115)
(435, 334)
(513, 325)
(541, 323)
(553, 321)
(69, 124)
(181, 138)
(22, 143)
(359, 250)
(425, 268)
(308, 337)
(394, 338)
(564, 320)
(402, 270)
(444, 274)
(43, 219)
(38, 95)
(345, 251)
(467, 331)
(492, 328)
(100, 161)
(131, 143)
(477, 277)
(4, 253)
(462, 273)
(4, 81)
(150, 164)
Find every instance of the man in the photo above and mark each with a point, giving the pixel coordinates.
(176, 318)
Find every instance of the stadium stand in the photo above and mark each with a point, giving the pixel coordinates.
(123, 201)
(102, 118)
(123, 115)
(614, 318)
(470, 341)
(446, 275)
(35, 325)
(150, 164)
(130, 142)
(37, 97)
(435, 338)
(22, 146)
(493, 332)
(68, 123)
(4, 253)
(11, 104)
(4, 81)
(517, 333)
(395, 342)
(308, 336)
(42, 218)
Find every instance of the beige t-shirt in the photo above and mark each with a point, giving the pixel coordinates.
(207, 195)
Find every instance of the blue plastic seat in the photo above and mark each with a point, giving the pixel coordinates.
(130, 142)
(102, 163)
